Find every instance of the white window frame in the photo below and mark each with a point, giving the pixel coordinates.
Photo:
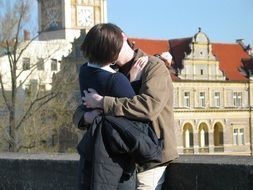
(238, 136)
(202, 99)
(241, 136)
(237, 99)
(216, 99)
(187, 99)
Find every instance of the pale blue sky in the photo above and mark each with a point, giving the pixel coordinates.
(222, 20)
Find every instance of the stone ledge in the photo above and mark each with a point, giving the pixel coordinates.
(210, 173)
(215, 159)
(59, 171)
(39, 156)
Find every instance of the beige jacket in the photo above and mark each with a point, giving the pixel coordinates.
(154, 103)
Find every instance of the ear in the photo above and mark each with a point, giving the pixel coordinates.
(124, 36)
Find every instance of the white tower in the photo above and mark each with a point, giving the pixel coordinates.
(63, 19)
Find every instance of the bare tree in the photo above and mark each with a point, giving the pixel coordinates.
(13, 20)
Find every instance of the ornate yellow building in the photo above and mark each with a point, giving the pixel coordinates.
(212, 94)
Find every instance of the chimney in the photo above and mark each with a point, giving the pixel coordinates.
(26, 35)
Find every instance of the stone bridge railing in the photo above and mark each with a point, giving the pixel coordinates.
(59, 171)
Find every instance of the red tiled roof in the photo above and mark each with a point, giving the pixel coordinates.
(230, 57)
(150, 46)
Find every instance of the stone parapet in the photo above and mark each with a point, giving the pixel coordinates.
(59, 172)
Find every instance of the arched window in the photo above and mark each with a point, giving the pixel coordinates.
(188, 138)
(203, 137)
(218, 138)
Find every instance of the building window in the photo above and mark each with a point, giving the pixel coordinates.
(42, 87)
(40, 64)
(202, 99)
(218, 135)
(237, 99)
(201, 72)
(188, 138)
(187, 99)
(217, 99)
(53, 64)
(26, 63)
(241, 136)
(238, 136)
(203, 138)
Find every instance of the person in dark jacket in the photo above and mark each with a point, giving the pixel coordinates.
(154, 102)
(99, 150)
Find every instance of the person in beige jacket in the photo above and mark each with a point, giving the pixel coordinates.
(153, 103)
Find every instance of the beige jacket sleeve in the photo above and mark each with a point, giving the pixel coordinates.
(156, 83)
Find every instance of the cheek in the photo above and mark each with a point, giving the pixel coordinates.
(120, 59)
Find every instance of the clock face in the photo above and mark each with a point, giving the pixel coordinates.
(85, 16)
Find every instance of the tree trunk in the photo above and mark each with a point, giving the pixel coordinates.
(12, 135)
(12, 117)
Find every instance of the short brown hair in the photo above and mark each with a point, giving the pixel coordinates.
(102, 43)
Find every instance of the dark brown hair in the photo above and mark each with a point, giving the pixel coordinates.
(102, 43)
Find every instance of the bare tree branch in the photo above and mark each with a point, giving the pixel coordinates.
(21, 111)
(28, 114)
(11, 24)
(25, 47)
(32, 145)
(28, 75)
(34, 66)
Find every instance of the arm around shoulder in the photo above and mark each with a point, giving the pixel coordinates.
(156, 92)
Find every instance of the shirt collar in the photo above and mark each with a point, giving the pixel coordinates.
(106, 67)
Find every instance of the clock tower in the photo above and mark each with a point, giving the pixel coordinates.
(63, 19)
